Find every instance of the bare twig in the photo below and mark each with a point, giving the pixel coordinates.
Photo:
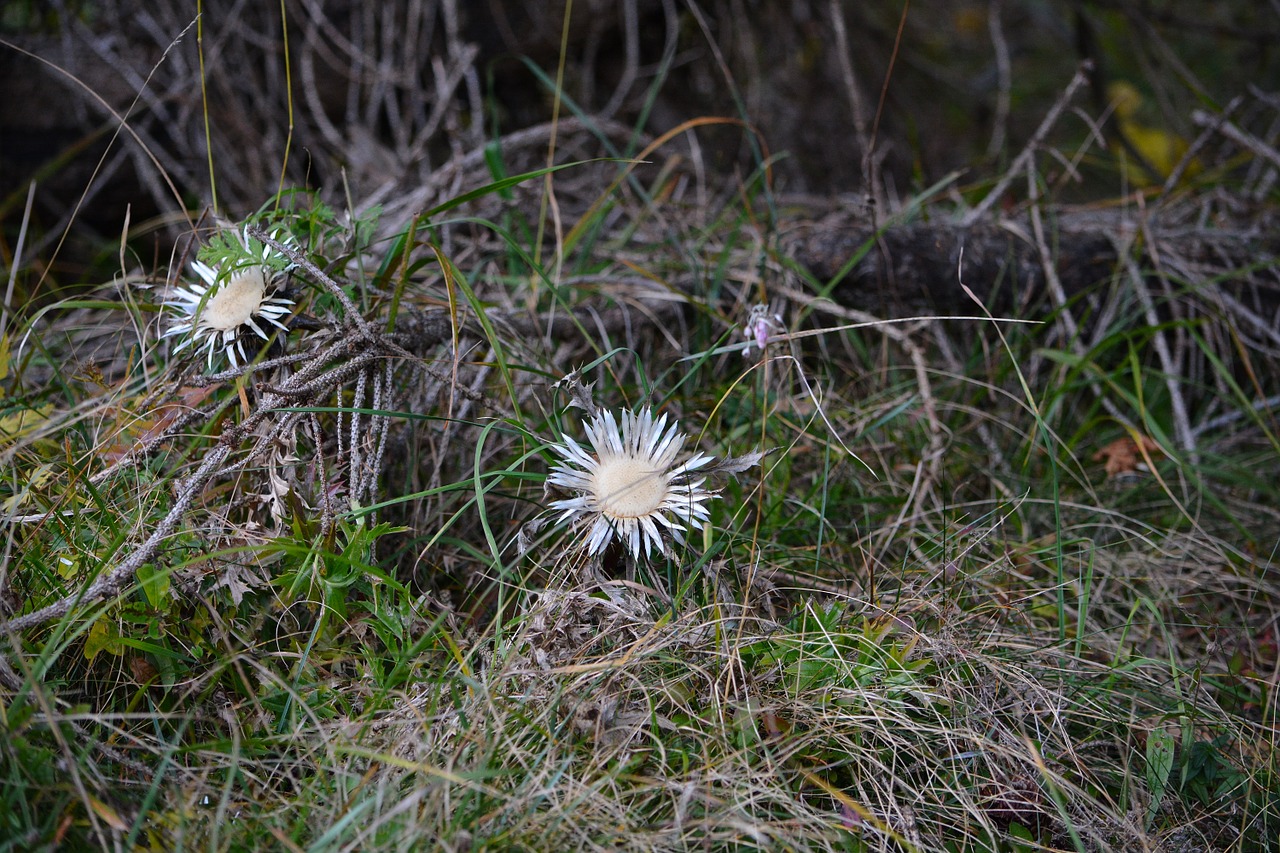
(1004, 76)
(9, 678)
(1240, 137)
(1059, 295)
(1024, 159)
(1177, 403)
(1198, 144)
(850, 80)
(17, 260)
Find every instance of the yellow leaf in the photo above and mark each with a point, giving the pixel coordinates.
(23, 421)
(42, 475)
(1158, 151)
(103, 636)
(107, 813)
(68, 568)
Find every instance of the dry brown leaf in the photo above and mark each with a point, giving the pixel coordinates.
(1124, 455)
(135, 431)
(142, 669)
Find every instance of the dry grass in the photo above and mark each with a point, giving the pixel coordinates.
(314, 603)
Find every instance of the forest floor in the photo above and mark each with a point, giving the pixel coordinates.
(311, 538)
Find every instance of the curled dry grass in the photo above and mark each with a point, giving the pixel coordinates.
(968, 638)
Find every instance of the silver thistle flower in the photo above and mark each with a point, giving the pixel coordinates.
(630, 488)
(216, 314)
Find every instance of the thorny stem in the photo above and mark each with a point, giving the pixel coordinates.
(310, 380)
(112, 582)
(323, 279)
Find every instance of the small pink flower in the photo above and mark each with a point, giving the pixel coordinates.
(760, 325)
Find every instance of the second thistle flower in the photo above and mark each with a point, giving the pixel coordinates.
(628, 486)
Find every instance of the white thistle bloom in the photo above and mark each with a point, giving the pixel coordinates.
(630, 488)
(216, 313)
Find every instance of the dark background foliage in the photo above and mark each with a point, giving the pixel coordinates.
(386, 93)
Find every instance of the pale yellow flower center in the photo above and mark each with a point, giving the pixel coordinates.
(236, 300)
(628, 487)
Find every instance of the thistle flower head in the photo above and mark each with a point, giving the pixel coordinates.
(237, 296)
(628, 487)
